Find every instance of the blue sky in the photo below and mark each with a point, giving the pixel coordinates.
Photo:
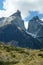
(28, 8)
(32, 14)
(1, 4)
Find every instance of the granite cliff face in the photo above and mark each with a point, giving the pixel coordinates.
(13, 33)
(17, 20)
(36, 26)
(13, 19)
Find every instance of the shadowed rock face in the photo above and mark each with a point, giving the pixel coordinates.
(13, 33)
(10, 34)
(36, 26)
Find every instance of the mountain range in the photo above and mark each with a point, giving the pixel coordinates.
(13, 32)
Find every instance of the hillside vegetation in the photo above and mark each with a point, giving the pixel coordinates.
(20, 56)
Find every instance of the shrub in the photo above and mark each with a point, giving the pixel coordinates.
(40, 55)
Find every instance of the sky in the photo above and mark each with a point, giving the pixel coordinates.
(28, 8)
(1, 4)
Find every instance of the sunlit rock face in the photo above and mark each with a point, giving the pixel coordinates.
(13, 19)
(17, 20)
(36, 27)
(2, 21)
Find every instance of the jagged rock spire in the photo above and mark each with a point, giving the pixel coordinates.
(35, 18)
(18, 13)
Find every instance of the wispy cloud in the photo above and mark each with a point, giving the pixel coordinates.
(24, 6)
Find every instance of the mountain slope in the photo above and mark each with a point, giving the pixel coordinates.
(13, 33)
(10, 55)
(18, 37)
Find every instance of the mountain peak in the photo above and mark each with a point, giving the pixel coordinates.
(17, 13)
(35, 18)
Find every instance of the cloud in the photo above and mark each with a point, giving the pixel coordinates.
(26, 24)
(32, 14)
(42, 19)
(24, 6)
